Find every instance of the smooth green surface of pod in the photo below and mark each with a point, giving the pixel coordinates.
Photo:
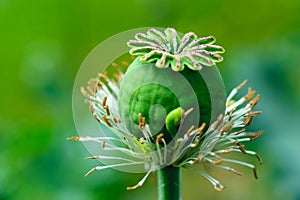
(155, 92)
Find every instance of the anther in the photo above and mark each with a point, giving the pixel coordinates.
(142, 122)
(99, 84)
(91, 157)
(126, 64)
(159, 138)
(254, 101)
(195, 144)
(240, 131)
(96, 118)
(84, 92)
(199, 159)
(117, 77)
(74, 138)
(91, 108)
(106, 119)
(104, 101)
(255, 173)
(116, 120)
(106, 109)
(224, 127)
(236, 172)
(190, 130)
(241, 148)
(247, 120)
(115, 65)
(133, 187)
(187, 112)
(103, 76)
(250, 94)
(142, 140)
(91, 89)
(241, 85)
(201, 128)
(219, 187)
(258, 158)
(257, 135)
(91, 171)
(217, 161)
(230, 127)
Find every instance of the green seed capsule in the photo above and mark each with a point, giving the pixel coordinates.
(159, 95)
(171, 74)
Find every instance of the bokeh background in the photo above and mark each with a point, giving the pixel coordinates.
(42, 44)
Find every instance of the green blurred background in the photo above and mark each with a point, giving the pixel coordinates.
(42, 44)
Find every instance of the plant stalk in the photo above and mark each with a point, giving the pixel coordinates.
(169, 187)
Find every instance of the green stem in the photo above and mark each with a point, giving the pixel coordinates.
(169, 183)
